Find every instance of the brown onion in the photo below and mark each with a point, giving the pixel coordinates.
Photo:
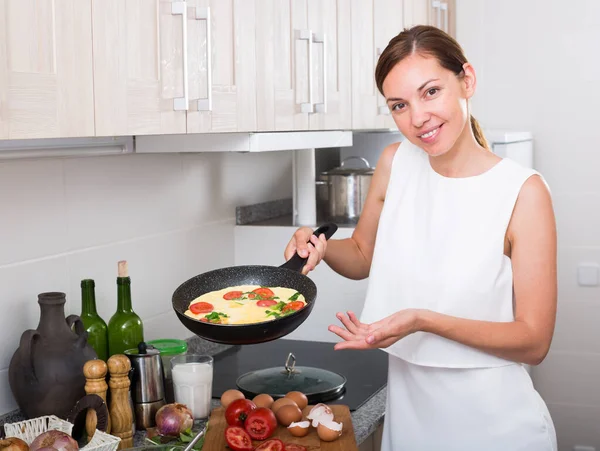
(173, 419)
(13, 444)
(54, 440)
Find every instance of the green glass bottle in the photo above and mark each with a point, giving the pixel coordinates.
(94, 325)
(125, 328)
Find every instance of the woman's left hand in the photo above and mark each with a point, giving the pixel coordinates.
(380, 334)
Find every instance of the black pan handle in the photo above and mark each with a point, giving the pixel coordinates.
(296, 263)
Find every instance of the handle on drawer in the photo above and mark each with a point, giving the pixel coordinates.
(179, 8)
(320, 38)
(203, 13)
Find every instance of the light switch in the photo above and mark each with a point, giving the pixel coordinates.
(588, 274)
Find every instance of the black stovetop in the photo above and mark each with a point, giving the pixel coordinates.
(365, 371)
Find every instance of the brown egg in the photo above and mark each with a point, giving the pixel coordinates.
(306, 410)
(281, 402)
(229, 396)
(288, 414)
(329, 431)
(263, 400)
(299, 429)
(299, 398)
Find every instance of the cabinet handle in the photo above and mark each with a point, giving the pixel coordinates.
(320, 38)
(179, 8)
(437, 6)
(203, 13)
(444, 8)
(306, 35)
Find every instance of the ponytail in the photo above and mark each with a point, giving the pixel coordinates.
(478, 132)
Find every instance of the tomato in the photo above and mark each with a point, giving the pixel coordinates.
(261, 423)
(201, 307)
(264, 292)
(266, 303)
(292, 307)
(233, 295)
(237, 439)
(294, 447)
(271, 445)
(238, 411)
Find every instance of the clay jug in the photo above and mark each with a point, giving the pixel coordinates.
(46, 371)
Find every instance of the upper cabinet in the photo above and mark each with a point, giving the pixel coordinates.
(46, 80)
(303, 64)
(442, 15)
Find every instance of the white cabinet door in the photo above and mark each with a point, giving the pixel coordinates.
(330, 23)
(374, 23)
(441, 15)
(417, 12)
(139, 62)
(46, 80)
(282, 52)
(225, 101)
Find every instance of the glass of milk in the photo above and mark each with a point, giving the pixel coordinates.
(192, 383)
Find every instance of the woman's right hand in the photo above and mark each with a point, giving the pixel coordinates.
(306, 245)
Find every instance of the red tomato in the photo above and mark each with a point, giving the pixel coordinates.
(238, 411)
(266, 303)
(294, 447)
(233, 295)
(271, 445)
(237, 439)
(261, 423)
(264, 292)
(201, 307)
(292, 307)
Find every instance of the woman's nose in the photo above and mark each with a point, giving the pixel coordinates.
(419, 116)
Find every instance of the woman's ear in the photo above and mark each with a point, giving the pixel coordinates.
(469, 80)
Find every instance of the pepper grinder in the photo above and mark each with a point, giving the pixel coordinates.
(120, 410)
(95, 374)
(148, 387)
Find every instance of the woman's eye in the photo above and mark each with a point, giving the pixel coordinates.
(432, 91)
(398, 106)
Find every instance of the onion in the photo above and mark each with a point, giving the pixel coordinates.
(13, 444)
(173, 419)
(54, 440)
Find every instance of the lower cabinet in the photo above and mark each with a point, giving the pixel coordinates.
(373, 441)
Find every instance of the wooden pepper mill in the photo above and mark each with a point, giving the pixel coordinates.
(120, 411)
(95, 374)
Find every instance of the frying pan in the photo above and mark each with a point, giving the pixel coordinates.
(287, 275)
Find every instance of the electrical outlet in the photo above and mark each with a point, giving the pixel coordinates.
(588, 275)
(584, 448)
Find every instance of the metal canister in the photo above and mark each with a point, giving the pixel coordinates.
(148, 386)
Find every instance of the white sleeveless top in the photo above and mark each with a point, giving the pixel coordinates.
(440, 246)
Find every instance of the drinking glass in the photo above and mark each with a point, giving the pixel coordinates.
(192, 383)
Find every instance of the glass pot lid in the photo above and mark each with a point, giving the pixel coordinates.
(344, 170)
(316, 383)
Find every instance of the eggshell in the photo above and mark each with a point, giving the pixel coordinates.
(328, 431)
(299, 429)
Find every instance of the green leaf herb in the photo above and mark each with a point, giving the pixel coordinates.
(294, 297)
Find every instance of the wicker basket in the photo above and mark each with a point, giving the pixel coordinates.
(28, 430)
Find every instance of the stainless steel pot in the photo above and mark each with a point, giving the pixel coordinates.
(342, 191)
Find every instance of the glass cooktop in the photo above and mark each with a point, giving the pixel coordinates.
(365, 371)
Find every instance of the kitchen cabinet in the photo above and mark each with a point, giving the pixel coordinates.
(373, 441)
(46, 79)
(442, 15)
(417, 12)
(374, 23)
(303, 63)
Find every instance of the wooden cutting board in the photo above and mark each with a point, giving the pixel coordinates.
(215, 436)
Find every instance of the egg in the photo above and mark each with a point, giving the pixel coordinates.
(319, 414)
(288, 414)
(229, 396)
(328, 431)
(306, 410)
(299, 398)
(281, 402)
(263, 400)
(299, 429)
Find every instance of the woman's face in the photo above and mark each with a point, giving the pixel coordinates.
(429, 103)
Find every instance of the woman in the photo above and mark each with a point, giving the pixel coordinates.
(460, 249)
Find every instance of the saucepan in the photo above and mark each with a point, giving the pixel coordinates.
(287, 275)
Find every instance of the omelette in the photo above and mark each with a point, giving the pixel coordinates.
(245, 304)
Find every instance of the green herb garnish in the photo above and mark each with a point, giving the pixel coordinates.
(294, 296)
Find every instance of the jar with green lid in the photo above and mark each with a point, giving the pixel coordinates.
(169, 348)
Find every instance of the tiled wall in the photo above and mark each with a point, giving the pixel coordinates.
(538, 69)
(170, 216)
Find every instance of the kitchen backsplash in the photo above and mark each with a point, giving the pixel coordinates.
(170, 216)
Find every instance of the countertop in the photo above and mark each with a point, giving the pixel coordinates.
(365, 420)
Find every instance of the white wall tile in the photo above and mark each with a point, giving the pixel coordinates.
(122, 197)
(165, 325)
(7, 401)
(577, 326)
(569, 378)
(32, 210)
(568, 288)
(575, 425)
(157, 266)
(19, 288)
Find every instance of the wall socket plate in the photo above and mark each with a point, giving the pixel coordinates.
(584, 448)
(588, 275)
